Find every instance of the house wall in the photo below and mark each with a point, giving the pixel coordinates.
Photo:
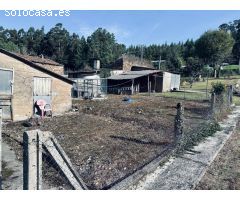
(22, 100)
(129, 61)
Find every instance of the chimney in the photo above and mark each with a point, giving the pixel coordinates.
(96, 64)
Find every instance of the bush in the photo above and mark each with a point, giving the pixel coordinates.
(218, 88)
(190, 139)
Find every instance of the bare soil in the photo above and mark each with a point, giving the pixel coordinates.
(109, 139)
(224, 173)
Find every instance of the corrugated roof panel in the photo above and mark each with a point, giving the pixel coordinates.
(133, 74)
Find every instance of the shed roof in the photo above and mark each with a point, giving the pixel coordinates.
(133, 74)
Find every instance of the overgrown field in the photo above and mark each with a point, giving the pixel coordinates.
(109, 139)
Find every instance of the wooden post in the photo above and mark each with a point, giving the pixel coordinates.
(148, 86)
(0, 148)
(32, 160)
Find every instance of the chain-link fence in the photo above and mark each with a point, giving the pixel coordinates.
(108, 141)
(219, 106)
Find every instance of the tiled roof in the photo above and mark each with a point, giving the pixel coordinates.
(44, 62)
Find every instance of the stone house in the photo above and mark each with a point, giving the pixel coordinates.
(26, 79)
(129, 63)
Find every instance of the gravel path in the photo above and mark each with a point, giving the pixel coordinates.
(15, 181)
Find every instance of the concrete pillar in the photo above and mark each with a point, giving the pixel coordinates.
(179, 122)
(62, 160)
(213, 103)
(0, 149)
(230, 95)
(32, 160)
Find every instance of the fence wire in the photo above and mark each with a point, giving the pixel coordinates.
(139, 123)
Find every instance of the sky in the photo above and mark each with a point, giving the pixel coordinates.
(131, 27)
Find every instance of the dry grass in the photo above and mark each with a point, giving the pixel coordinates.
(224, 173)
(108, 140)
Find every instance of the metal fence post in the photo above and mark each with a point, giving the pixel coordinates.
(32, 160)
(0, 148)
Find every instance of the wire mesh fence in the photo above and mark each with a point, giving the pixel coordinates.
(131, 130)
(90, 88)
(220, 105)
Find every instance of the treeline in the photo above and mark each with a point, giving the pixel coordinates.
(211, 50)
(73, 51)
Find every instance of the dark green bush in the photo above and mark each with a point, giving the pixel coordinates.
(218, 88)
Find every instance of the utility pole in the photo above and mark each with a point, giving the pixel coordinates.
(141, 54)
(159, 63)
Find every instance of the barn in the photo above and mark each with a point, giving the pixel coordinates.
(133, 82)
(26, 79)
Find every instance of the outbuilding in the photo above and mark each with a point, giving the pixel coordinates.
(132, 82)
(25, 79)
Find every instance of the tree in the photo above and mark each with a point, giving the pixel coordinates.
(236, 46)
(55, 42)
(101, 46)
(76, 53)
(213, 47)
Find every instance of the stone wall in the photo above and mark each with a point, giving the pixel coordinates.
(22, 100)
(129, 61)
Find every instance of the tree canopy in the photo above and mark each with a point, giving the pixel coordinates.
(214, 46)
(76, 52)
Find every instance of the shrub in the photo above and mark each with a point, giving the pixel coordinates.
(218, 88)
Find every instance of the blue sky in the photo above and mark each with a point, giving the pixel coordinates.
(132, 27)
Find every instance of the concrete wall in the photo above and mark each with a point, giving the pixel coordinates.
(166, 82)
(22, 101)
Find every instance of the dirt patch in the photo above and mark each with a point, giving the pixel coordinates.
(6, 172)
(110, 139)
(224, 173)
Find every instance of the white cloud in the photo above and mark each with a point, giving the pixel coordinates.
(118, 32)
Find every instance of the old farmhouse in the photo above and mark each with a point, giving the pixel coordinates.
(26, 79)
(129, 63)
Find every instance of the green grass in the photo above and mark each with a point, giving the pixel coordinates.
(202, 85)
(231, 67)
(187, 96)
(200, 88)
(236, 100)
